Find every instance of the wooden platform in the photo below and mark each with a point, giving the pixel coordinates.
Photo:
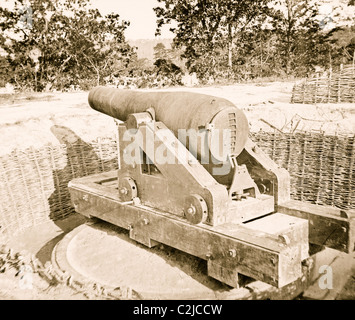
(103, 254)
(230, 249)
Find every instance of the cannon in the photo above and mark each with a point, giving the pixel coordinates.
(190, 177)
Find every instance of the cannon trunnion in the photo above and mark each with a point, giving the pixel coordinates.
(190, 177)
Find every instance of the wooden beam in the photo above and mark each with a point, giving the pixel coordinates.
(328, 226)
(290, 229)
(257, 254)
(223, 274)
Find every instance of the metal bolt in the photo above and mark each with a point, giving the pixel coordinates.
(85, 197)
(232, 253)
(273, 260)
(145, 221)
(123, 190)
(191, 210)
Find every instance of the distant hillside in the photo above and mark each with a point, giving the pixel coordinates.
(146, 47)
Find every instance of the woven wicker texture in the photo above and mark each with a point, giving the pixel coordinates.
(334, 88)
(321, 166)
(34, 183)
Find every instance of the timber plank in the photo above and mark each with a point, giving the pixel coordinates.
(292, 229)
(328, 226)
(261, 261)
(223, 274)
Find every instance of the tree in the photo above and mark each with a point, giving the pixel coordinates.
(97, 44)
(4, 67)
(342, 45)
(160, 52)
(207, 30)
(301, 40)
(61, 43)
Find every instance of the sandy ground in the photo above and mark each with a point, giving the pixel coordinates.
(172, 265)
(26, 119)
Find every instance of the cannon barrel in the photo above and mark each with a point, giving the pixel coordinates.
(177, 110)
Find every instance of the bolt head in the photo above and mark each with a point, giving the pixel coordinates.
(232, 253)
(191, 210)
(123, 191)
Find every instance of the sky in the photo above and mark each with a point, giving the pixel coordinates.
(140, 14)
(143, 20)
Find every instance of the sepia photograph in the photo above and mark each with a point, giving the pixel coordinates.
(177, 155)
